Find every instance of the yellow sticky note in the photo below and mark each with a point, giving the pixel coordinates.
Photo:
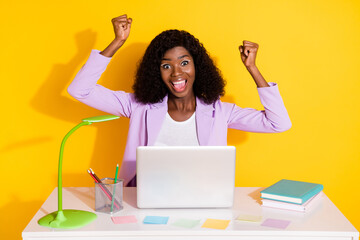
(216, 224)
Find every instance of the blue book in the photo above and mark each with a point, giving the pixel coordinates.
(291, 191)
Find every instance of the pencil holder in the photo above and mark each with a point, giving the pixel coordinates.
(109, 195)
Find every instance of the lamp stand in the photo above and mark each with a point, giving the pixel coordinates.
(68, 218)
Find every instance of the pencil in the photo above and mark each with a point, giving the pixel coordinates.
(93, 173)
(115, 180)
(116, 173)
(92, 176)
(98, 180)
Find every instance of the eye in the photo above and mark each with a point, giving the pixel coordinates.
(165, 66)
(184, 63)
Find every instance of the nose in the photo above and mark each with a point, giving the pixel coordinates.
(177, 71)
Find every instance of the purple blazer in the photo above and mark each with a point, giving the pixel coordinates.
(212, 120)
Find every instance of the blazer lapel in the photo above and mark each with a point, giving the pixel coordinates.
(155, 116)
(204, 121)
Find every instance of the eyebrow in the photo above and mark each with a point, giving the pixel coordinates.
(167, 59)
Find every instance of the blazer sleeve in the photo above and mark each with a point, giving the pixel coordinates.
(84, 88)
(274, 117)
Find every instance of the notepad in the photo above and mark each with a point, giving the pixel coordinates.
(216, 224)
(124, 219)
(249, 218)
(155, 220)
(276, 223)
(186, 223)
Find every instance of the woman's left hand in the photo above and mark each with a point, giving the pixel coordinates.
(248, 53)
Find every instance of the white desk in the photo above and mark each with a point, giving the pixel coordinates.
(324, 221)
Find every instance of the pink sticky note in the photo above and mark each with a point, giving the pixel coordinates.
(124, 219)
(275, 223)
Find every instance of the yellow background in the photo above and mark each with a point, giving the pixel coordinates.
(310, 48)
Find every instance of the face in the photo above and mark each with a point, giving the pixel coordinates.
(178, 72)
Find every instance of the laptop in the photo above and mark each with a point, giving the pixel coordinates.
(185, 176)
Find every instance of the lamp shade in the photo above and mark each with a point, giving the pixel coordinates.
(100, 118)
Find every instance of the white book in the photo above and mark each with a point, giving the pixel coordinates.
(290, 206)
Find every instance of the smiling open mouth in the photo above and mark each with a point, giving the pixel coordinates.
(179, 86)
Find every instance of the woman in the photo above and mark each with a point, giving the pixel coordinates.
(176, 95)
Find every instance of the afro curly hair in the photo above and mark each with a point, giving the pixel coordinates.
(148, 86)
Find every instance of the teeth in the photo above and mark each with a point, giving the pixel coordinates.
(179, 85)
(179, 82)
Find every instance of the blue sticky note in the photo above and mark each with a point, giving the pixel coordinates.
(155, 220)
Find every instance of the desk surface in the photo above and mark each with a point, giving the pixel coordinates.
(324, 221)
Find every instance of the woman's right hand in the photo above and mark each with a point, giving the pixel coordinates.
(122, 25)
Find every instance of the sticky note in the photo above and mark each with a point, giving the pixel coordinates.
(155, 220)
(216, 224)
(124, 219)
(249, 218)
(186, 223)
(276, 223)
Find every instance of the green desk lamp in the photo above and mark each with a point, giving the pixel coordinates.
(71, 218)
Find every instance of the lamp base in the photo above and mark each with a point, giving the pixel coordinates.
(67, 219)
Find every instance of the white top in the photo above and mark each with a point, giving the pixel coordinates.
(175, 133)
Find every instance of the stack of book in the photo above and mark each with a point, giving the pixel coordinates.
(291, 195)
